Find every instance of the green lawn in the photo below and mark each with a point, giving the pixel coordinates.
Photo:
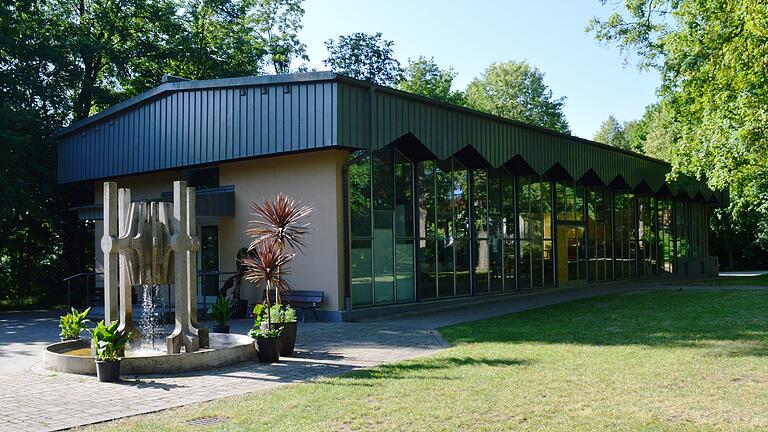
(661, 360)
(761, 280)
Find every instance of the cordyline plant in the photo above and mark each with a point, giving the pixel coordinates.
(281, 221)
(267, 263)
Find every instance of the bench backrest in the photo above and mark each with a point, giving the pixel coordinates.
(298, 297)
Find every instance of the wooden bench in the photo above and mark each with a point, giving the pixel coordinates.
(301, 300)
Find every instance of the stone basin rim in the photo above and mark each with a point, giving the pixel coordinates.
(228, 349)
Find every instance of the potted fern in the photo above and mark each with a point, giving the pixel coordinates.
(73, 324)
(281, 222)
(109, 342)
(220, 312)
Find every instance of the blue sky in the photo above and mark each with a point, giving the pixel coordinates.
(469, 35)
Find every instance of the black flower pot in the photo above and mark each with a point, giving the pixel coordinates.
(221, 329)
(70, 339)
(108, 371)
(268, 349)
(241, 309)
(287, 337)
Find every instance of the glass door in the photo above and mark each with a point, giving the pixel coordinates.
(208, 267)
(572, 255)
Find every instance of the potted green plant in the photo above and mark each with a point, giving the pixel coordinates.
(262, 268)
(281, 223)
(72, 324)
(267, 343)
(220, 312)
(110, 343)
(284, 317)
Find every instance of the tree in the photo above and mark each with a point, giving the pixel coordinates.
(364, 57)
(277, 22)
(516, 90)
(424, 77)
(711, 56)
(612, 132)
(64, 60)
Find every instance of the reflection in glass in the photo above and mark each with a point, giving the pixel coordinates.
(361, 277)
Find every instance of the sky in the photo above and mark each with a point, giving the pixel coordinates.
(470, 35)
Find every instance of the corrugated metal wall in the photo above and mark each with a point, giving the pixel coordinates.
(446, 130)
(200, 122)
(199, 126)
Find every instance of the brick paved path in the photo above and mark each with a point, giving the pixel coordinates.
(34, 399)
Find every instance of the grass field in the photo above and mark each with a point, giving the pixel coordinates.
(655, 360)
(760, 280)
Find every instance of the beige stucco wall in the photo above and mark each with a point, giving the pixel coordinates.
(315, 178)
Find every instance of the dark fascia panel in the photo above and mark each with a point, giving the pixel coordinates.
(558, 173)
(619, 183)
(591, 179)
(643, 188)
(410, 146)
(471, 158)
(519, 167)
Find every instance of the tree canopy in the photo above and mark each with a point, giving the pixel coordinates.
(424, 77)
(712, 58)
(364, 57)
(517, 91)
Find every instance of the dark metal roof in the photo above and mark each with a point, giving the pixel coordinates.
(189, 123)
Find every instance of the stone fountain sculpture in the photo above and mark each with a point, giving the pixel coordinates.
(152, 243)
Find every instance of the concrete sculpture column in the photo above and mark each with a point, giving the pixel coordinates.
(183, 246)
(149, 232)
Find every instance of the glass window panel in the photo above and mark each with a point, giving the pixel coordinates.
(462, 265)
(384, 272)
(383, 179)
(483, 265)
(496, 260)
(403, 196)
(406, 286)
(427, 199)
(508, 204)
(480, 202)
(525, 264)
(509, 265)
(549, 269)
(460, 203)
(445, 268)
(359, 176)
(444, 204)
(361, 267)
(427, 269)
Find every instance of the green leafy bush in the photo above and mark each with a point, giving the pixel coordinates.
(73, 323)
(109, 341)
(222, 310)
(260, 333)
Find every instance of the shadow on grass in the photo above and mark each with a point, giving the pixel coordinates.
(731, 323)
(420, 369)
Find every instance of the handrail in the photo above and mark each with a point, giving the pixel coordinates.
(88, 275)
(69, 278)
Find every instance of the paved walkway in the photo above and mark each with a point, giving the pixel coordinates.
(35, 399)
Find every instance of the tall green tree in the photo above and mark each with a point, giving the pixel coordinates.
(62, 60)
(712, 57)
(424, 77)
(611, 132)
(517, 91)
(365, 57)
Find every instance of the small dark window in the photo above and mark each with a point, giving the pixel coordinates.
(203, 178)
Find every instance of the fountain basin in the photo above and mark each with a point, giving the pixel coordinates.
(226, 349)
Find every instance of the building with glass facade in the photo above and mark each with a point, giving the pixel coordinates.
(416, 201)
